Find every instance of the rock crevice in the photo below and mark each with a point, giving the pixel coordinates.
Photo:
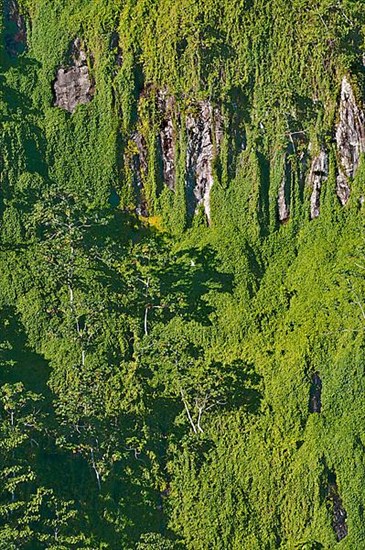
(339, 513)
(315, 402)
(165, 105)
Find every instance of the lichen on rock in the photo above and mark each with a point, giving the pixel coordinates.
(73, 85)
(204, 132)
(318, 174)
(350, 139)
(284, 193)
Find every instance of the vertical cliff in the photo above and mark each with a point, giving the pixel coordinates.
(182, 274)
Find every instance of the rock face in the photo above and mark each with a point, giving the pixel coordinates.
(284, 194)
(203, 132)
(165, 105)
(350, 139)
(339, 513)
(318, 175)
(15, 29)
(315, 403)
(73, 86)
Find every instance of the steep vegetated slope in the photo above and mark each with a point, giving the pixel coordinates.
(182, 267)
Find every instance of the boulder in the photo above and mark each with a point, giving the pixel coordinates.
(73, 85)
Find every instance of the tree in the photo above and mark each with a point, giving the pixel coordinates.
(20, 427)
(61, 224)
(29, 512)
(179, 370)
(155, 541)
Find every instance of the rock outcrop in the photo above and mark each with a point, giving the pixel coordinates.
(165, 105)
(15, 28)
(283, 210)
(73, 85)
(317, 176)
(339, 513)
(284, 193)
(350, 139)
(204, 131)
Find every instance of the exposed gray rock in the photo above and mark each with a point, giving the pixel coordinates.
(73, 85)
(15, 29)
(284, 193)
(282, 206)
(342, 188)
(204, 130)
(350, 139)
(318, 174)
(165, 104)
(140, 141)
(339, 513)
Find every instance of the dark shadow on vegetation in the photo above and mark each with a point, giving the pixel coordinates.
(243, 391)
(237, 386)
(315, 403)
(187, 276)
(192, 279)
(309, 545)
(126, 496)
(183, 279)
(67, 474)
(19, 363)
(115, 230)
(263, 211)
(21, 112)
(256, 268)
(209, 55)
(237, 108)
(14, 33)
(306, 110)
(23, 67)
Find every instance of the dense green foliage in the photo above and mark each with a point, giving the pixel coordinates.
(156, 372)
